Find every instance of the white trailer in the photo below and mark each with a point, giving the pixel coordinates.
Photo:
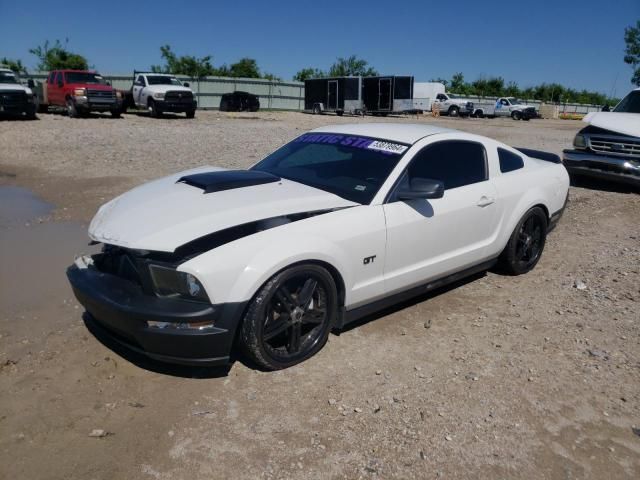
(424, 93)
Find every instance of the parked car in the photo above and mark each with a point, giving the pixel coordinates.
(239, 102)
(453, 106)
(16, 99)
(160, 93)
(505, 107)
(79, 92)
(339, 223)
(609, 147)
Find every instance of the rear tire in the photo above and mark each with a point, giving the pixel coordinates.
(479, 114)
(289, 319)
(316, 110)
(525, 246)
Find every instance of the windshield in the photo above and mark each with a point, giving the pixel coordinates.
(348, 166)
(84, 77)
(630, 103)
(162, 80)
(514, 101)
(8, 77)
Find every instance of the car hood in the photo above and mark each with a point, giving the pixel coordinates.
(15, 87)
(623, 123)
(166, 88)
(162, 215)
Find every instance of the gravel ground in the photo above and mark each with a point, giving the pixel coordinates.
(535, 376)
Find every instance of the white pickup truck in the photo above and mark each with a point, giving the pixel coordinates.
(162, 92)
(452, 106)
(16, 99)
(505, 107)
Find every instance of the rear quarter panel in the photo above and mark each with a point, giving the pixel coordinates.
(537, 183)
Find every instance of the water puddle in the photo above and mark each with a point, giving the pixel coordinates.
(34, 255)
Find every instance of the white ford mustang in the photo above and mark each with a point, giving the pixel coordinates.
(340, 222)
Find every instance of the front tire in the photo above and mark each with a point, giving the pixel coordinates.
(516, 115)
(153, 109)
(191, 114)
(289, 319)
(72, 111)
(525, 246)
(454, 111)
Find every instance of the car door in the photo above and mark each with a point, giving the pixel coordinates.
(428, 239)
(138, 87)
(55, 90)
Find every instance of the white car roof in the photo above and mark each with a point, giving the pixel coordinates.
(403, 133)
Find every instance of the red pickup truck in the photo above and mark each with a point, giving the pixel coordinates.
(80, 92)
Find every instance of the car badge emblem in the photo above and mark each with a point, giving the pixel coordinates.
(618, 147)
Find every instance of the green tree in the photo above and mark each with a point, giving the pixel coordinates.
(307, 73)
(457, 84)
(632, 51)
(14, 65)
(351, 66)
(245, 68)
(58, 57)
(188, 65)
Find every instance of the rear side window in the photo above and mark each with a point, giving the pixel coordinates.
(455, 163)
(50, 79)
(509, 161)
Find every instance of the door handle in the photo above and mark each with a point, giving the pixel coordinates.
(485, 201)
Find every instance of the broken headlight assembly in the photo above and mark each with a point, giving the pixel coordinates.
(169, 282)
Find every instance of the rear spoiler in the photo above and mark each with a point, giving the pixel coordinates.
(540, 155)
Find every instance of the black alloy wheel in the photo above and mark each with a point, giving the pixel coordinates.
(524, 249)
(290, 318)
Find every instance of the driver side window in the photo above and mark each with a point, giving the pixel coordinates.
(455, 163)
(140, 81)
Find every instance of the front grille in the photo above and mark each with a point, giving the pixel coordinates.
(178, 97)
(622, 146)
(101, 96)
(12, 98)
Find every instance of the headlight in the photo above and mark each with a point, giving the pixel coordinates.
(158, 96)
(580, 141)
(118, 94)
(168, 282)
(80, 92)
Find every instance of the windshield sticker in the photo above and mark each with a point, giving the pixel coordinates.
(361, 188)
(388, 147)
(356, 142)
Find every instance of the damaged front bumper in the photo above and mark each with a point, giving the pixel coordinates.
(171, 330)
(607, 167)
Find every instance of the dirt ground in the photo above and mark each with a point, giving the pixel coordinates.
(495, 377)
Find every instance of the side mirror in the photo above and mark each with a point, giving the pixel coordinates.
(31, 83)
(424, 188)
(186, 84)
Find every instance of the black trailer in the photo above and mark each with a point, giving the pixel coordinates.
(390, 94)
(337, 94)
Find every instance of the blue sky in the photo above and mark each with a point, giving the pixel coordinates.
(577, 43)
